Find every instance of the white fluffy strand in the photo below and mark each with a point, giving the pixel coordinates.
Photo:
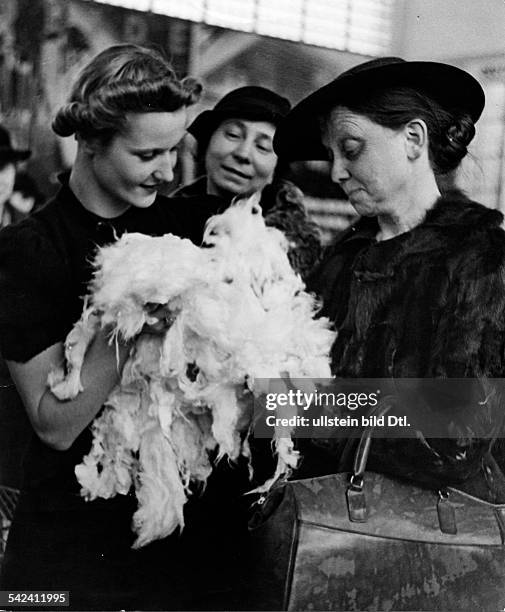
(241, 313)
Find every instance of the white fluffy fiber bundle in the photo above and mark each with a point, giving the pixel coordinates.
(241, 313)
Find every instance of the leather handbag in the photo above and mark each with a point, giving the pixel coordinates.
(366, 541)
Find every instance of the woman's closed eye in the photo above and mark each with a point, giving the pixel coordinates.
(146, 155)
(233, 134)
(264, 147)
(351, 148)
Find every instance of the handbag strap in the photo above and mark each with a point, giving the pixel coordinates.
(363, 450)
(355, 495)
(356, 502)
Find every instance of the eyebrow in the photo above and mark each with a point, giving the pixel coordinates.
(265, 136)
(233, 122)
(243, 126)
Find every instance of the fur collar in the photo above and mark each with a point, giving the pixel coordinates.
(455, 228)
(456, 209)
(453, 221)
(453, 209)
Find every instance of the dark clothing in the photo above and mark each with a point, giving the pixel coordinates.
(46, 265)
(429, 303)
(15, 431)
(57, 540)
(283, 208)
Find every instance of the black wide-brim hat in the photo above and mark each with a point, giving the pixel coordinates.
(298, 136)
(7, 152)
(251, 103)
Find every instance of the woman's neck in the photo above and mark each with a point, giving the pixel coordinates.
(410, 211)
(83, 184)
(213, 190)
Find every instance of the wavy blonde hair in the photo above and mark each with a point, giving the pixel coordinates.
(122, 79)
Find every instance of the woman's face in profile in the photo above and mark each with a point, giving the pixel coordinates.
(368, 161)
(240, 157)
(138, 161)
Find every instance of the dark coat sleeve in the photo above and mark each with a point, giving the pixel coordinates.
(465, 416)
(467, 341)
(470, 333)
(470, 343)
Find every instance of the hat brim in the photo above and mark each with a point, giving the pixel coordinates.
(207, 122)
(8, 154)
(298, 135)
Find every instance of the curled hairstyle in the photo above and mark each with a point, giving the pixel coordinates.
(450, 131)
(122, 79)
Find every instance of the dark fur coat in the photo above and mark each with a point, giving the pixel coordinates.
(429, 303)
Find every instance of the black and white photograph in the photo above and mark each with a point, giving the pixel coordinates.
(252, 305)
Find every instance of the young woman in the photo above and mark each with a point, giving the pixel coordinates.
(128, 112)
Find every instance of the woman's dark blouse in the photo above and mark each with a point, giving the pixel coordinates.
(45, 267)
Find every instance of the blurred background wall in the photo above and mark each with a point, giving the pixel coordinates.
(450, 29)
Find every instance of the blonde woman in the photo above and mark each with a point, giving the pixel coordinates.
(128, 112)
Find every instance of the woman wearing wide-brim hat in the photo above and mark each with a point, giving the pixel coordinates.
(9, 158)
(415, 288)
(234, 146)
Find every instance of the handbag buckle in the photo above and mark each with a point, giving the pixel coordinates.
(446, 513)
(356, 482)
(356, 502)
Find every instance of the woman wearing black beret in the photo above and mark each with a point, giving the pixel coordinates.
(234, 142)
